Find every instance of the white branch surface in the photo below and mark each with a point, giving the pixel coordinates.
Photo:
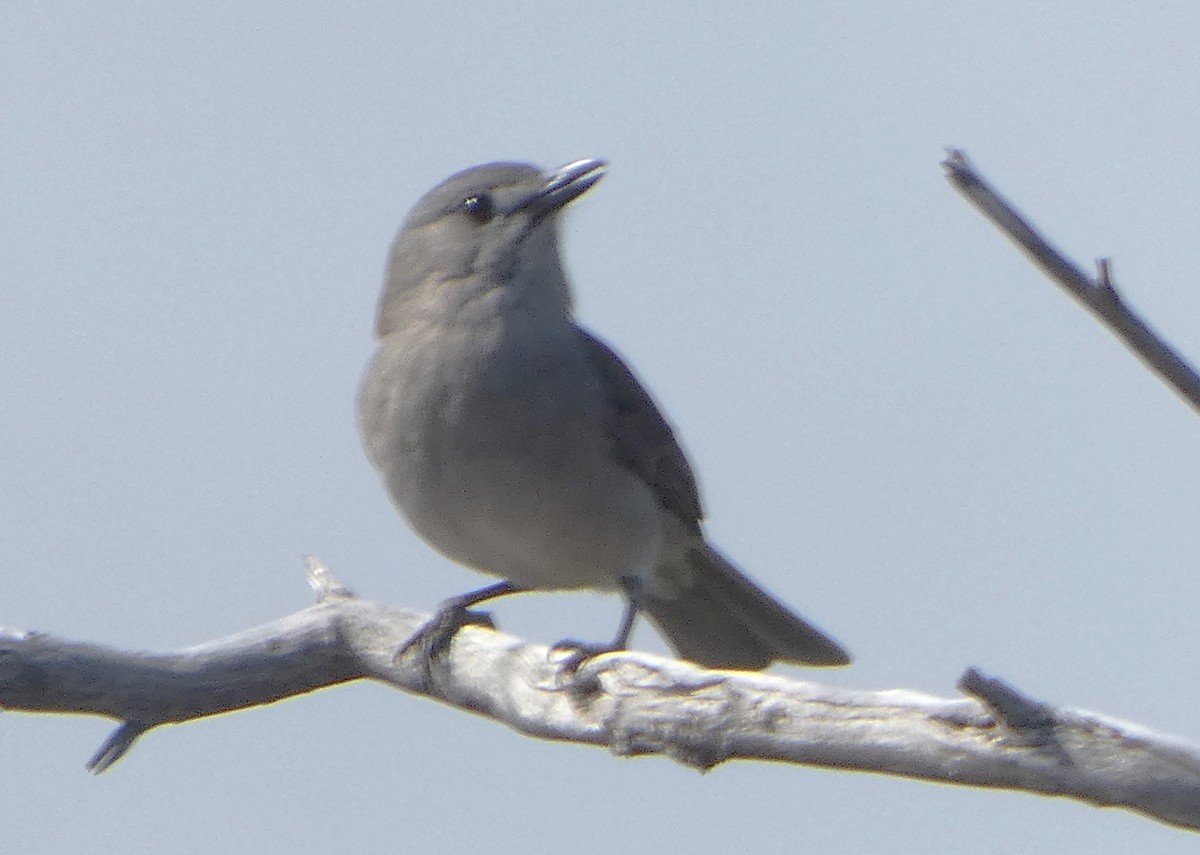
(632, 703)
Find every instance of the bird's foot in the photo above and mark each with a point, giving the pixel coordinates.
(433, 639)
(578, 653)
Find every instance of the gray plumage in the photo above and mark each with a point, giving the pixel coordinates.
(517, 443)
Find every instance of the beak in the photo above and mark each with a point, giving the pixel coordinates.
(563, 186)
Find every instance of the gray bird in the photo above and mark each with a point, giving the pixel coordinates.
(516, 442)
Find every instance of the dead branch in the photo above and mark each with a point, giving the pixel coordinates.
(632, 703)
(1098, 295)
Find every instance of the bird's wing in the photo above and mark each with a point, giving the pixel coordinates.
(640, 438)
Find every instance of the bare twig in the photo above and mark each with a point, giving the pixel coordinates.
(1098, 295)
(632, 703)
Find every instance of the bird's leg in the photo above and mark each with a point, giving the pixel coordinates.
(433, 639)
(580, 652)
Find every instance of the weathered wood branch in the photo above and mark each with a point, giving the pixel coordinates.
(1098, 295)
(631, 703)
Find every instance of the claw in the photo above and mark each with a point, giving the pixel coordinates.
(580, 652)
(432, 640)
(434, 637)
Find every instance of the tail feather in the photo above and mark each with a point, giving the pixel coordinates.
(724, 620)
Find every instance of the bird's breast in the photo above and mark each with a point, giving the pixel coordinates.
(490, 439)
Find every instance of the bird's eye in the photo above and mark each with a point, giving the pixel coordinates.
(479, 207)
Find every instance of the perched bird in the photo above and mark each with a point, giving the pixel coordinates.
(516, 442)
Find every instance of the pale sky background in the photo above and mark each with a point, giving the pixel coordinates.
(900, 427)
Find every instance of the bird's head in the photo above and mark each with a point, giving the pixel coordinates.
(488, 232)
